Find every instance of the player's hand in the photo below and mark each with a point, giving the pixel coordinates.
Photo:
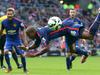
(23, 47)
(31, 53)
(25, 43)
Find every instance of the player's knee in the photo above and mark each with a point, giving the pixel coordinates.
(6, 52)
(68, 54)
(72, 51)
(13, 51)
(2, 52)
(22, 55)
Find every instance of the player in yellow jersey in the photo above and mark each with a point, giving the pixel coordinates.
(2, 42)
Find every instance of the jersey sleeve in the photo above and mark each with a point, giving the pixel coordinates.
(2, 26)
(67, 22)
(64, 22)
(22, 26)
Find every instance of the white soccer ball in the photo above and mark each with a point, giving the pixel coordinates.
(54, 23)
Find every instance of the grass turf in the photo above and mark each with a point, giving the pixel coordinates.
(56, 66)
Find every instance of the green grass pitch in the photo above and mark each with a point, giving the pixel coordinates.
(56, 66)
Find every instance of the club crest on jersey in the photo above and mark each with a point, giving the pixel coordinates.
(14, 25)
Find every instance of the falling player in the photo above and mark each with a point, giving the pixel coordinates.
(75, 32)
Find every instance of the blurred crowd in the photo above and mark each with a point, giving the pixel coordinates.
(37, 12)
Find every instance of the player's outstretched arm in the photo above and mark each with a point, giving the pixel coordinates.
(32, 46)
(44, 50)
(25, 42)
(24, 38)
(22, 47)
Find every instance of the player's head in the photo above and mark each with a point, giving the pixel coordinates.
(10, 13)
(72, 13)
(31, 32)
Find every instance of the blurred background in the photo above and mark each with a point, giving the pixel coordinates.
(37, 13)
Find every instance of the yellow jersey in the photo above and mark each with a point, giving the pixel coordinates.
(1, 19)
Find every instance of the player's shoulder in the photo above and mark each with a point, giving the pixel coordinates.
(78, 19)
(43, 29)
(4, 21)
(18, 20)
(67, 22)
(66, 19)
(3, 17)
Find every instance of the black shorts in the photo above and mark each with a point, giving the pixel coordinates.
(2, 42)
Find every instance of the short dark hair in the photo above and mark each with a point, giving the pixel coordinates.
(30, 29)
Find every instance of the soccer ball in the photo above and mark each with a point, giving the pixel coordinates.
(54, 23)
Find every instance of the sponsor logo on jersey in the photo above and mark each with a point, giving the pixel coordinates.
(11, 32)
(14, 25)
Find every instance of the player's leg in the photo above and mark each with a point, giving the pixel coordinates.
(7, 48)
(23, 59)
(21, 53)
(2, 59)
(72, 57)
(79, 51)
(14, 55)
(8, 60)
(68, 57)
(2, 42)
(91, 32)
(68, 61)
(82, 52)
